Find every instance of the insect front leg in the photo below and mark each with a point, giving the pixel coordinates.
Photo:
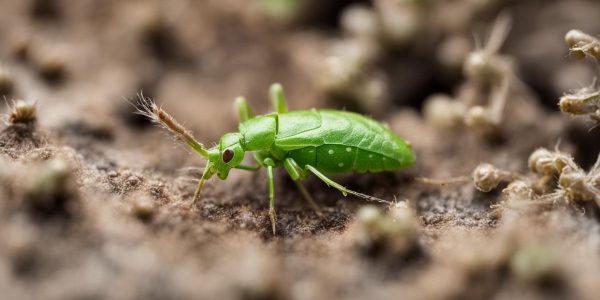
(207, 174)
(278, 98)
(297, 174)
(269, 163)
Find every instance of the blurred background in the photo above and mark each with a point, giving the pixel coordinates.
(400, 61)
(362, 55)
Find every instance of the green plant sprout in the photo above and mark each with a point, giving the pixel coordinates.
(306, 142)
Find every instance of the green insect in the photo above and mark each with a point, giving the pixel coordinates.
(319, 142)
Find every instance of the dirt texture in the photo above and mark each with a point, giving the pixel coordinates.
(95, 201)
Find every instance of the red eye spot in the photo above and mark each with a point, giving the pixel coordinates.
(227, 155)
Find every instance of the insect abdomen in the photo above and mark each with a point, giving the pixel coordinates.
(348, 142)
(334, 159)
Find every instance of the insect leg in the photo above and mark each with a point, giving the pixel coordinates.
(309, 199)
(272, 213)
(205, 176)
(278, 98)
(341, 188)
(328, 181)
(244, 109)
(297, 174)
(248, 168)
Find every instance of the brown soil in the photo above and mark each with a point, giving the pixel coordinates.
(117, 223)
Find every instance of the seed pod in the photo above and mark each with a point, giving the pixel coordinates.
(542, 161)
(575, 37)
(582, 102)
(518, 191)
(486, 177)
(22, 113)
(478, 117)
(481, 67)
(444, 112)
(582, 44)
(574, 183)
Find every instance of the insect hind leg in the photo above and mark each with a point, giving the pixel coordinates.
(343, 189)
(309, 199)
(297, 174)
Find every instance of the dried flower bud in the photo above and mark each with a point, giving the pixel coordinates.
(22, 113)
(542, 161)
(486, 177)
(582, 44)
(518, 191)
(444, 112)
(478, 117)
(583, 101)
(574, 183)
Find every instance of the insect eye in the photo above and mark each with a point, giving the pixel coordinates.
(227, 155)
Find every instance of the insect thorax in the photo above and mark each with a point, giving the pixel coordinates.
(259, 132)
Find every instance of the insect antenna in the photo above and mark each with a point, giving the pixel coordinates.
(146, 107)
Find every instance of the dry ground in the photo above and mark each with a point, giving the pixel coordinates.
(114, 221)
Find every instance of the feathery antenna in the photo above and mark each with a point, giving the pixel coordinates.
(146, 107)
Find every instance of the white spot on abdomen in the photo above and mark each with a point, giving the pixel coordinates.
(348, 149)
(330, 151)
(340, 165)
